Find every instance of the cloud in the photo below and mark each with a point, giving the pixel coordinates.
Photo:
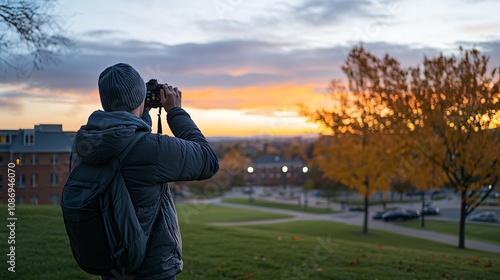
(103, 33)
(16, 94)
(232, 74)
(12, 105)
(491, 48)
(225, 64)
(13, 100)
(27, 95)
(322, 12)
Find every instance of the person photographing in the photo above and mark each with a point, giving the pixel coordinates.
(151, 162)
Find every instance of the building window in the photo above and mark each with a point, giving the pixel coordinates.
(29, 138)
(5, 139)
(54, 159)
(21, 159)
(34, 159)
(1, 159)
(1, 181)
(34, 199)
(21, 200)
(54, 179)
(34, 180)
(21, 181)
(55, 199)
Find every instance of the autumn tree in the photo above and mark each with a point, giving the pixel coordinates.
(233, 166)
(357, 147)
(401, 185)
(31, 35)
(357, 161)
(444, 112)
(453, 104)
(294, 150)
(415, 172)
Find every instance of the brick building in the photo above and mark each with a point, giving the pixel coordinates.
(273, 170)
(41, 158)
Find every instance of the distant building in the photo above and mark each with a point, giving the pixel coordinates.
(273, 170)
(41, 158)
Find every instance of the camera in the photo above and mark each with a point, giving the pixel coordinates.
(153, 94)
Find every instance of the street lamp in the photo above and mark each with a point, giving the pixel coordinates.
(284, 170)
(305, 169)
(250, 170)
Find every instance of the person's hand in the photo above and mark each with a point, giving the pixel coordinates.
(170, 97)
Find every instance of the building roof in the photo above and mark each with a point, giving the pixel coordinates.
(277, 160)
(47, 138)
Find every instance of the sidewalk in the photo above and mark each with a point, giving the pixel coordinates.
(352, 218)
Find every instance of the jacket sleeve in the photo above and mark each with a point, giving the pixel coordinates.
(187, 156)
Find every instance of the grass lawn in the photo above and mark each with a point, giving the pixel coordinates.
(278, 205)
(208, 213)
(486, 233)
(296, 250)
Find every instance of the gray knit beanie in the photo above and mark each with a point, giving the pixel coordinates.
(121, 88)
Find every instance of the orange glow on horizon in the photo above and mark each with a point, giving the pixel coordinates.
(276, 97)
(271, 110)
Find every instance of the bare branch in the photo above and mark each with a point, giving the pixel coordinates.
(33, 37)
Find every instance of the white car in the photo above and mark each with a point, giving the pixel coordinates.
(484, 217)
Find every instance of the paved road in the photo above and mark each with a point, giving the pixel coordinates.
(453, 214)
(355, 218)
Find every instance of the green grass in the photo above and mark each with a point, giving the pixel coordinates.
(324, 250)
(286, 206)
(42, 248)
(486, 233)
(296, 250)
(208, 213)
(371, 201)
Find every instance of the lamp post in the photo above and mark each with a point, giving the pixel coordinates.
(250, 171)
(305, 169)
(284, 170)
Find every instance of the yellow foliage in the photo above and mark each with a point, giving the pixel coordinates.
(434, 123)
(358, 161)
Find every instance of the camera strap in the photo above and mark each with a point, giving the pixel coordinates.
(159, 121)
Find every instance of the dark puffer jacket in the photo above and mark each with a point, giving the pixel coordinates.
(155, 160)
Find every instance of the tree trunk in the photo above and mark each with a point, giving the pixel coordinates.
(305, 199)
(365, 219)
(461, 233)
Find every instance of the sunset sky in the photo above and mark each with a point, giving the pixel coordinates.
(243, 66)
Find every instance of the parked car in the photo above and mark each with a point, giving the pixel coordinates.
(248, 190)
(430, 211)
(414, 214)
(357, 208)
(395, 215)
(378, 215)
(484, 217)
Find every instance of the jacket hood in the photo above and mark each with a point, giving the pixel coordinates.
(106, 134)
